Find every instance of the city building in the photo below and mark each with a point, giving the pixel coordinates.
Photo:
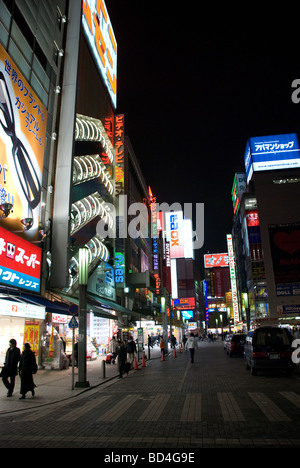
(266, 232)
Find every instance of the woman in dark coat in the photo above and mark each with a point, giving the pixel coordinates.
(27, 367)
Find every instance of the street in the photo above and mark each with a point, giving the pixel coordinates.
(171, 404)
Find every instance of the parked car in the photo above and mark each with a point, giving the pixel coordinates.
(235, 345)
(269, 348)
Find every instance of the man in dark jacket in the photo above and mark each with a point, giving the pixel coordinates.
(121, 353)
(10, 369)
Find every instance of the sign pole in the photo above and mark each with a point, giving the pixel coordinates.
(82, 312)
(73, 324)
(73, 360)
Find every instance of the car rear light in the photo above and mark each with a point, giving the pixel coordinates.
(259, 354)
(286, 354)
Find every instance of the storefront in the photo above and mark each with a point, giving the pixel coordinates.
(22, 321)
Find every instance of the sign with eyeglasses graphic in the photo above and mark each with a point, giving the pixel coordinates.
(23, 120)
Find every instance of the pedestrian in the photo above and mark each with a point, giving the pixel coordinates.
(122, 355)
(150, 344)
(27, 367)
(10, 368)
(191, 345)
(173, 341)
(130, 349)
(113, 348)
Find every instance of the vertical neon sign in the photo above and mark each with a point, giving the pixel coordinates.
(236, 314)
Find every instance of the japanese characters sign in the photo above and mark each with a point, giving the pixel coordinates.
(20, 262)
(216, 260)
(272, 152)
(100, 35)
(184, 303)
(119, 146)
(235, 304)
(23, 120)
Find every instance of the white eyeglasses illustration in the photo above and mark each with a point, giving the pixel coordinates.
(25, 170)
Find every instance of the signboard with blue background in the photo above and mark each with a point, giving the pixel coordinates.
(271, 153)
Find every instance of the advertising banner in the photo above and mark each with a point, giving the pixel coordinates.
(216, 260)
(272, 152)
(235, 304)
(23, 121)
(174, 233)
(285, 251)
(20, 262)
(184, 303)
(100, 36)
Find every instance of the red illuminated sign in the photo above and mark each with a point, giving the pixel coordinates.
(216, 260)
(20, 262)
(252, 218)
(120, 151)
(184, 303)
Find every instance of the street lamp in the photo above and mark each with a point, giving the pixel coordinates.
(82, 280)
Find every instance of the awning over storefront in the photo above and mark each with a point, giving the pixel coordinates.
(54, 307)
(114, 306)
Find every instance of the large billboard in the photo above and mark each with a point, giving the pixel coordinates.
(216, 260)
(100, 36)
(23, 121)
(179, 234)
(285, 251)
(272, 153)
(20, 262)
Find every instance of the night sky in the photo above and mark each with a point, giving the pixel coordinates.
(194, 84)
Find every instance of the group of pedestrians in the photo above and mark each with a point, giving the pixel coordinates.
(24, 364)
(190, 343)
(125, 352)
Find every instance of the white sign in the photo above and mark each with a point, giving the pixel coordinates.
(22, 309)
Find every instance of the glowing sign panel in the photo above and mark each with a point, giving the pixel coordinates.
(184, 303)
(99, 33)
(20, 262)
(216, 260)
(271, 153)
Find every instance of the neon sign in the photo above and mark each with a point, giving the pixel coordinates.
(235, 304)
(216, 260)
(99, 33)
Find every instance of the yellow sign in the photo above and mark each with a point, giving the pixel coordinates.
(23, 120)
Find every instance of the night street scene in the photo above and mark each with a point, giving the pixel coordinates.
(149, 228)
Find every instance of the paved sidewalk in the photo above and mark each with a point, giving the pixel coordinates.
(56, 385)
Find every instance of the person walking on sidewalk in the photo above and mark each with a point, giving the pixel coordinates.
(122, 355)
(191, 345)
(130, 349)
(27, 367)
(113, 348)
(10, 369)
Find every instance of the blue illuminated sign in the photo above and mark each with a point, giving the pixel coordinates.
(272, 153)
(187, 314)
